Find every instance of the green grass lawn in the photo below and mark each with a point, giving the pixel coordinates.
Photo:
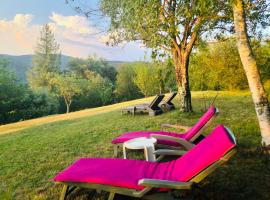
(30, 158)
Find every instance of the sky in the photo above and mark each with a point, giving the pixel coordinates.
(78, 36)
(21, 21)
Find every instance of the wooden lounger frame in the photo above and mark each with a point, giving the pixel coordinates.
(152, 109)
(167, 104)
(150, 184)
(182, 142)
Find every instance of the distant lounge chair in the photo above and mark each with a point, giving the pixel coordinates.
(167, 103)
(171, 140)
(152, 108)
(150, 180)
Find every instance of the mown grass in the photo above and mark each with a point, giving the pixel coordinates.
(12, 127)
(30, 158)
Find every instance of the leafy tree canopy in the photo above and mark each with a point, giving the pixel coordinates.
(66, 86)
(82, 66)
(126, 89)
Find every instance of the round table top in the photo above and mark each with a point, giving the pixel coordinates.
(140, 143)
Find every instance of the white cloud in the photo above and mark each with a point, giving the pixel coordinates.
(16, 35)
(22, 20)
(76, 24)
(76, 35)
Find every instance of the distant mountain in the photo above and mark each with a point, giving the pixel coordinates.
(20, 64)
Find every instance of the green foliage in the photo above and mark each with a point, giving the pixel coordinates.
(17, 102)
(97, 78)
(217, 66)
(104, 89)
(165, 75)
(262, 53)
(267, 88)
(172, 28)
(146, 78)
(94, 64)
(46, 59)
(157, 23)
(77, 66)
(167, 27)
(65, 86)
(11, 94)
(126, 89)
(38, 103)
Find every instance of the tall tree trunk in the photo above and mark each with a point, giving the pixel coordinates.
(250, 66)
(67, 105)
(68, 108)
(181, 63)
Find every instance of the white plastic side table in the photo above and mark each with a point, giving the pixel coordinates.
(147, 144)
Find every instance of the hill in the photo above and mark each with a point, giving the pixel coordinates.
(20, 64)
(31, 157)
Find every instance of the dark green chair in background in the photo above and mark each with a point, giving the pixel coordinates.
(151, 108)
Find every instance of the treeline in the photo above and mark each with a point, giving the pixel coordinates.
(217, 66)
(85, 83)
(140, 79)
(92, 82)
(18, 101)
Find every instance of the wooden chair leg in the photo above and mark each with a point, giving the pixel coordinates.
(111, 196)
(63, 195)
(70, 189)
(115, 150)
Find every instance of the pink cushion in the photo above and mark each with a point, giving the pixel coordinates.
(187, 136)
(126, 173)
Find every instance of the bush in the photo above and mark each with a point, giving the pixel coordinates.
(217, 67)
(37, 104)
(18, 102)
(126, 89)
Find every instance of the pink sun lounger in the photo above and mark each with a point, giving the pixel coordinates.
(139, 178)
(171, 140)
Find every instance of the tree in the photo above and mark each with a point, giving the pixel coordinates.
(104, 89)
(97, 81)
(11, 93)
(146, 78)
(253, 76)
(209, 73)
(78, 66)
(66, 86)
(36, 104)
(46, 59)
(94, 64)
(126, 89)
(17, 102)
(165, 75)
(262, 54)
(168, 27)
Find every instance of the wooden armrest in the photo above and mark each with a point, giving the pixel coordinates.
(170, 152)
(187, 145)
(156, 183)
(185, 128)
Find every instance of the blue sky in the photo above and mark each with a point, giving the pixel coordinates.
(41, 9)
(21, 20)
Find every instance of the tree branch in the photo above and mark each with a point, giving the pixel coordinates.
(194, 36)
